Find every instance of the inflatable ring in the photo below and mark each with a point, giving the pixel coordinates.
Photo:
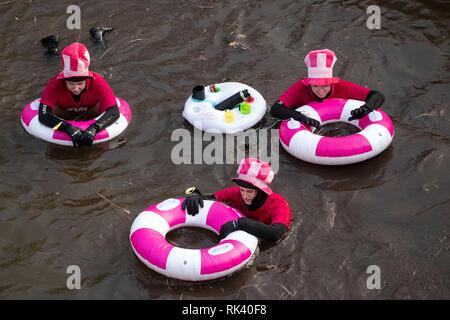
(375, 136)
(147, 237)
(31, 123)
(203, 115)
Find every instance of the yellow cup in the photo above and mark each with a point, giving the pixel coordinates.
(229, 116)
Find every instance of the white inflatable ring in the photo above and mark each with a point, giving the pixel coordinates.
(31, 123)
(377, 131)
(147, 237)
(202, 114)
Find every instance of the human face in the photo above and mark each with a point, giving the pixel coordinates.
(321, 91)
(76, 87)
(248, 195)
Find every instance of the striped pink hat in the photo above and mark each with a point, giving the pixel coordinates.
(75, 59)
(256, 172)
(320, 67)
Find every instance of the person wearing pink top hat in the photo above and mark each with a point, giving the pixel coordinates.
(319, 85)
(77, 89)
(267, 214)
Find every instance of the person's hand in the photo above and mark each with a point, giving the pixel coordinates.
(360, 112)
(307, 120)
(193, 200)
(74, 134)
(88, 135)
(228, 228)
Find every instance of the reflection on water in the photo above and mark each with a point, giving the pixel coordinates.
(60, 206)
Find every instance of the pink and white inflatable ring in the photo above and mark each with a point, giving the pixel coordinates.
(30, 121)
(147, 237)
(377, 131)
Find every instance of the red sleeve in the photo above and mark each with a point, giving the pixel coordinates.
(297, 95)
(50, 94)
(280, 212)
(348, 90)
(291, 96)
(107, 98)
(225, 195)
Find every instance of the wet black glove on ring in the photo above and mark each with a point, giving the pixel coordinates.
(360, 112)
(193, 200)
(228, 228)
(307, 120)
(74, 134)
(89, 135)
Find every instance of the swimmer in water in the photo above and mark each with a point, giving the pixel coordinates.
(267, 214)
(319, 85)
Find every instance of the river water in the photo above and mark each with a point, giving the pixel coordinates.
(61, 207)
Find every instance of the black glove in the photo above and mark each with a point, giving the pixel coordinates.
(307, 120)
(89, 135)
(193, 200)
(360, 112)
(74, 134)
(228, 228)
(374, 100)
(280, 111)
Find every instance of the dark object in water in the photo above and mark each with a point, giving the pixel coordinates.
(51, 42)
(97, 33)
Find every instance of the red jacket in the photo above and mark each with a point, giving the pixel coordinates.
(299, 94)
(97, 91)
(274, 210)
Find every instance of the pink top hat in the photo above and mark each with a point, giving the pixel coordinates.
(257, 173)
(75, 59)
(320, 67)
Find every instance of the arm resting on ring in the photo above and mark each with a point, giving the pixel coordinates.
(49, 119)
(269, 233)
(108, 118)
(280, 111)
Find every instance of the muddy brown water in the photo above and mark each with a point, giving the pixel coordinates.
(391, 211)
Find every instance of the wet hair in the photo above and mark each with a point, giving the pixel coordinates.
(76, 79)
